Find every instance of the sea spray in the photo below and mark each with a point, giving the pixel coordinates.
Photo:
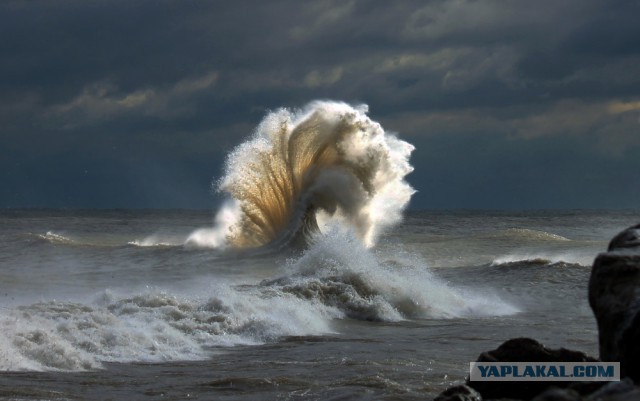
(335, 278)
(327, 165)
(152, 326)
(328, 158)
(340, 272)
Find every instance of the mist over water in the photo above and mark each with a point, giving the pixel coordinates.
(327, 159)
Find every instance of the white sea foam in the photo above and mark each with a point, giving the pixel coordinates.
(56, 238)
(535, 234)
(153, 241)
(337, 277)
(153, 326)
(582, 258)
(339, 270)
(216, 237)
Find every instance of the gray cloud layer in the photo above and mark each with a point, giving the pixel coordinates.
(511, 104)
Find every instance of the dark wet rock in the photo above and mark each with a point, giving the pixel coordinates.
(629, 238)
(586, 388)
(614, 296)
(559, 394)
(529, 350)
(623, 390)
(616, 391)
(459, 393)
(524, 350)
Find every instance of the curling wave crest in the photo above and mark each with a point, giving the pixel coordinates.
(328, 158)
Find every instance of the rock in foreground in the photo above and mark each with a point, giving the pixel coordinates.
(524, 350)
(614, 296)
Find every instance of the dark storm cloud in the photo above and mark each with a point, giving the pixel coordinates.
(135, 103)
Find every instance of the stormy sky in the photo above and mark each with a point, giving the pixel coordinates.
(510, 104)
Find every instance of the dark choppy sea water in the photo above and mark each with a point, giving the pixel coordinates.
(104, 305)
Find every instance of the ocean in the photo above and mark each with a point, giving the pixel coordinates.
(311, 280)
(117, 304)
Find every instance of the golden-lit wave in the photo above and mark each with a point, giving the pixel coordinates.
(329, 157)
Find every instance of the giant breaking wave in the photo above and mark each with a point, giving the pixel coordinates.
(326, 162)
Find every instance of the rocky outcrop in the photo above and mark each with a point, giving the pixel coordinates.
(628, 239)
(524, 350)
(529, 350)
(623, 390)
(614, 296)
(459, 393)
